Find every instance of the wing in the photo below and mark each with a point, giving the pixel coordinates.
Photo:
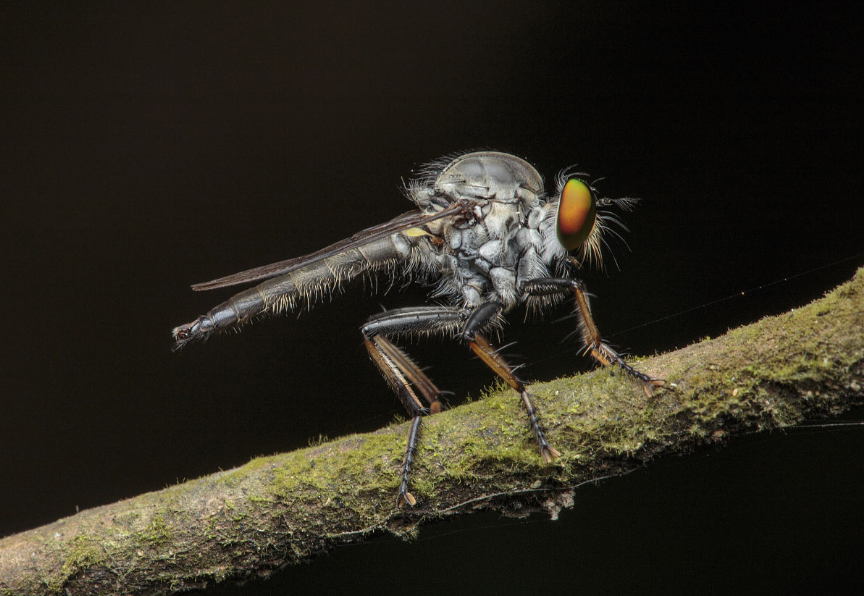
(405, 221)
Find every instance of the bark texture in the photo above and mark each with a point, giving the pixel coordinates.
(278, 510)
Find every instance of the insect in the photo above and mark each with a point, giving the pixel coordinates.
(487, 238)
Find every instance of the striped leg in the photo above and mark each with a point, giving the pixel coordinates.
(479, 318)
(594, 344)
(403, 375)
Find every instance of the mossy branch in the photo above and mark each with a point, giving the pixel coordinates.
(278, 510)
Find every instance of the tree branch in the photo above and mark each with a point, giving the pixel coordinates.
(278, 510)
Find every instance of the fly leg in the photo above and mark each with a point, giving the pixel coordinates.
(594, 345)
(479, 318)
(403, 375)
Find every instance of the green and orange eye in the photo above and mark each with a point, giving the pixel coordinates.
(577, 211)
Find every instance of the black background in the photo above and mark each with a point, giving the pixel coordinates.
(146, 146)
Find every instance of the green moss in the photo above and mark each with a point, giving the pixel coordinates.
(156, 533)
(80, 553)
(333, 473)
(238, 475)
(319, 440)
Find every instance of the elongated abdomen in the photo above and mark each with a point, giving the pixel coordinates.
(303, 285)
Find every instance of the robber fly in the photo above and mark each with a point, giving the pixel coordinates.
(487, 238)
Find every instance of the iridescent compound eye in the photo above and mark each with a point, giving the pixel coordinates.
(577, 211)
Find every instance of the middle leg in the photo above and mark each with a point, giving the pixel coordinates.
(480, 318)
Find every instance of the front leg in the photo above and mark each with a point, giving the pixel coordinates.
(594, 344)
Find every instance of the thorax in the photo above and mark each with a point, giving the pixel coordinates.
(488, 258)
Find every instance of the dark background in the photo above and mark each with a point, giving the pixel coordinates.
(147, 146)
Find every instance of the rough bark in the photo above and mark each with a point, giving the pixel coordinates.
(278, 510)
